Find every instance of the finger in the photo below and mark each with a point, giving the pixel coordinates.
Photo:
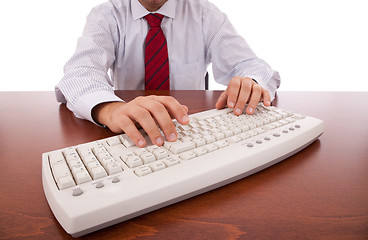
(144, 118)
(266, 98)
(254, 98)
(244, 93)
(163, 118)
(233, 91)
(174, 108)
(130, 129)
(221, 101)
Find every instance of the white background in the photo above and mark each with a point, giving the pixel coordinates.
(319, 45)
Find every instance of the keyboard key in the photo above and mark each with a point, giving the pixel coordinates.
(82, 177)
(86, 153)
(215, 130)
(269, 127)
(219, 135)
(157, 166)
(126, 141)
(77, 169)
(244, 136)
(147, 157)
(113, 167)
(56, 158)
(99, 148)
(106, 161)
(65, 182)
(200, 151)
(209, 138)
(71, 154)
(195, 135)
(140, 151)
(253, 133)
(168, 144)
(170, 161)
(102, 155)
(98, 172)
(244, 128)
(75, 163)
(160, 153)
(211, 147)
(142, 171)
(236, 130)
(92, 165)
(185, 139)
(251, 125)
(187, 155)
(182, 147)
(113, 141)
(89, 159)
(125, 155)
(61, 170)
(228, 133)
(152, 148)
(192, 125)
(134, 161)
(221, 144)
(199, 142)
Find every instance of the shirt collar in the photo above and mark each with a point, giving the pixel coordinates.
(138, 11)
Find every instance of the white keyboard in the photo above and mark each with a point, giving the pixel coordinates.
(101, 183)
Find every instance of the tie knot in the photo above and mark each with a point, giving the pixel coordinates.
(154, 20)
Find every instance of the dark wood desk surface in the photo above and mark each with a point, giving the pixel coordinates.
(319, 193)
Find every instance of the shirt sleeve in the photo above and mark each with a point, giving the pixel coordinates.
(231, 55)
(86, 82)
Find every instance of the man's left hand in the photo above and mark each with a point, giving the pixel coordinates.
(240, 91)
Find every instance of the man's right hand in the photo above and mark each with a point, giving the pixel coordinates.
(146, 111)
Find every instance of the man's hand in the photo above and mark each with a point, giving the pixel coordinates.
(147, 112)
(241, 91)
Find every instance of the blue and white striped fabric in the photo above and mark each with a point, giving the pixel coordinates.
(197, 34)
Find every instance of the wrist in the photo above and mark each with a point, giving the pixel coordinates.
(101, 113)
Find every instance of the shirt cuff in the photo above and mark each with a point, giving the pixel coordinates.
(83, 107)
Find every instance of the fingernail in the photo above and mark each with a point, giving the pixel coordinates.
(185, 119)
(231, 104)
(238, 111)
(172, 137)
(267, 103)
(159, 141)
(250, 110)
(140, 143)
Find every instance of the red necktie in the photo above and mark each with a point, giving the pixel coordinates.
(156, 55)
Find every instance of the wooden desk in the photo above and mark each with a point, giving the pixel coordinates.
(319, 193)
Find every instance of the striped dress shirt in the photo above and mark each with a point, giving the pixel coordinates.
(110, 53)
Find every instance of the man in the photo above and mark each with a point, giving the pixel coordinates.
(196, 33)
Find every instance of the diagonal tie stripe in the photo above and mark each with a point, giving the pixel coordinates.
(156, 55)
